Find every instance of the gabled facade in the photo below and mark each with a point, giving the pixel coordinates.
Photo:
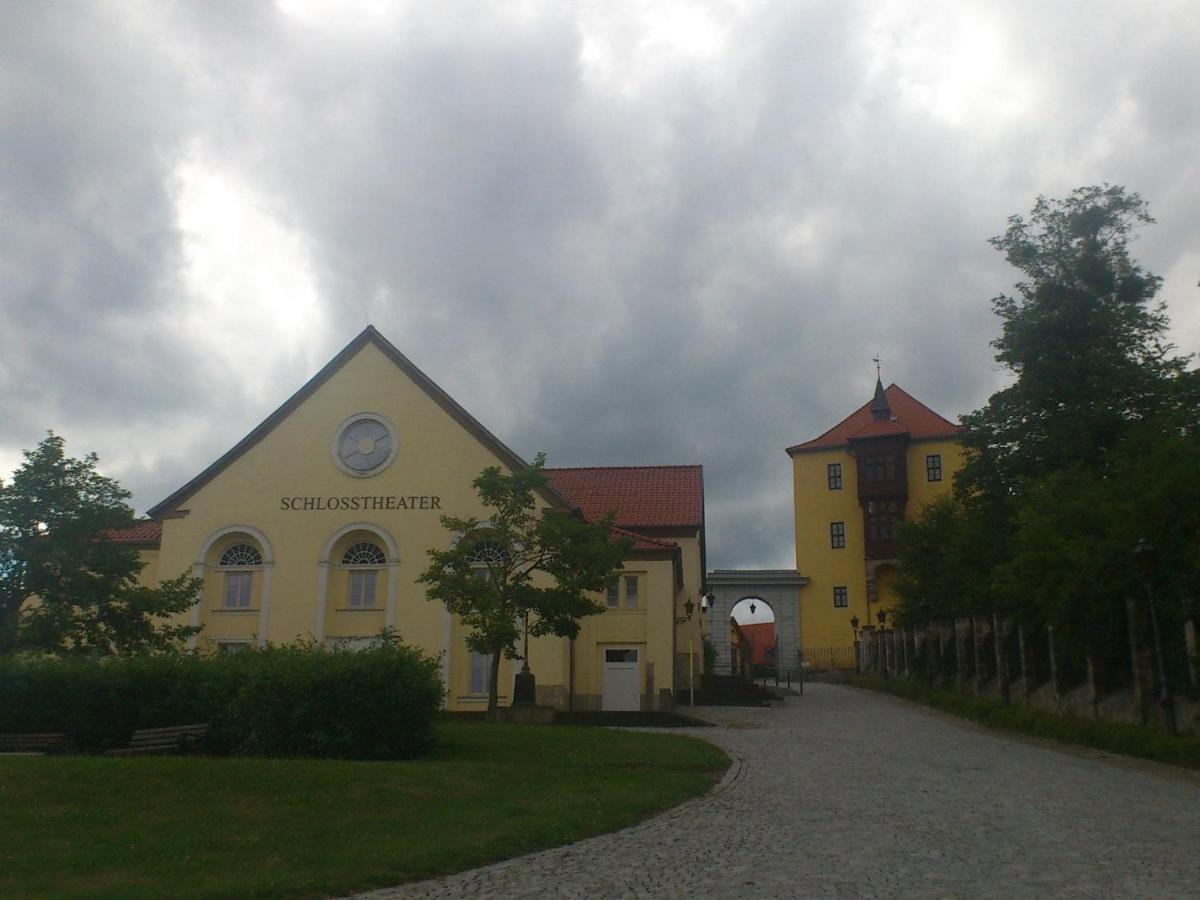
(317, 523)
(853, 485)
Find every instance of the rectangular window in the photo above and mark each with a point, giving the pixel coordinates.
(834, 474)
(841, 597)
(621, 656)
(362, 589)
(837, 535)
(228, 648)
(933, 467)
(237, 589)
(614, 594)
(631, 592)
(481, 673)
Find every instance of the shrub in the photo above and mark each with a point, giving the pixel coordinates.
(290, 700)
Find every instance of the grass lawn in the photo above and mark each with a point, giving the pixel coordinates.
(200, 827)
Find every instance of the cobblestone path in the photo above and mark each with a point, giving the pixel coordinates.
(846, 793)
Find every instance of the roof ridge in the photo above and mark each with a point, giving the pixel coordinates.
(616, 468)
(923, 406)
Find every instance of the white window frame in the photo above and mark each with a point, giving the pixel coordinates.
(479, 673)
(239, 588)
(363, 561)
(632, 598)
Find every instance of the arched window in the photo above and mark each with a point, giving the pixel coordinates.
(486, 556)
(239, 560)
(364, 560)
(240, 556)
(364, 553)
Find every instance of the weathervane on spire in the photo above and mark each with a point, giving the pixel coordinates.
(875, 359)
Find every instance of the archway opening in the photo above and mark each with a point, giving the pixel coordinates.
(753, 639)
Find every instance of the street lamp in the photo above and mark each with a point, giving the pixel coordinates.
(688, 608)
(857, 646)
(1145, 557)
(883, 661)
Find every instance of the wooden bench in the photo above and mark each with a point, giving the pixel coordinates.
(32, 744)
(172, 739)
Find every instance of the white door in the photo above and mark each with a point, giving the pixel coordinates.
(621, 681)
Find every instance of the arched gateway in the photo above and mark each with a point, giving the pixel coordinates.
(778, 588)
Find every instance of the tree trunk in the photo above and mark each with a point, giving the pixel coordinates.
(494, 687)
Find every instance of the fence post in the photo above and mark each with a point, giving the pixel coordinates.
(1053, 670)
(1139, 657)
(1189, 641)
(976, 656)
(1093, 694)
(960, 651)
(1026, 668)
(999, 642)
(904, 636)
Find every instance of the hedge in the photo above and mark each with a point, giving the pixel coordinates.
(291, 700)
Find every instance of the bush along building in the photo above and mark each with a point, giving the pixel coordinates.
(853, 485)
(317, 524)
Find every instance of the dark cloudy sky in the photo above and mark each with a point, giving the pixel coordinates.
(625, 233)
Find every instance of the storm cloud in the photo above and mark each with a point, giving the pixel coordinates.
(621, 233)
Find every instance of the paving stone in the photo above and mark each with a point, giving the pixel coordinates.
(846, 793)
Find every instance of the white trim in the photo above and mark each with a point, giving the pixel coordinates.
(393, 592)
(393, 572)
(265, 603)
(194, 639)
(446, 628)
(265, 545)
(393, 554)
(322, 583)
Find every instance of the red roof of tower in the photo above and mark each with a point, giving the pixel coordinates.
(909, 416)
(641, 496)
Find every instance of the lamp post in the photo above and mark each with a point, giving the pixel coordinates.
(1145, 557)
(883, 666)
(857, 662)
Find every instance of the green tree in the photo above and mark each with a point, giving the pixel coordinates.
(520, 570)
(1089, 448)
(1086, 339)
(63, 587)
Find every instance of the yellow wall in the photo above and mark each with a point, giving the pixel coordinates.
(436, 458)
(821, 624)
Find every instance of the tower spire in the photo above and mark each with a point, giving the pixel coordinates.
(880, 410)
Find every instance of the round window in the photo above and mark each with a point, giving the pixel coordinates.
(364, 445)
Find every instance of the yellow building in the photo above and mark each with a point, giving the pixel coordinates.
(852, 486)
(317, 523)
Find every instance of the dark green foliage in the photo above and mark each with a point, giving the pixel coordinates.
(63, 588)
(512, 594)
(294, 700)
(1092, 447)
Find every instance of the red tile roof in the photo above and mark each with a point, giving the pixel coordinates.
(641, 496)
(147, 532)
(641, 542)
(909, 416)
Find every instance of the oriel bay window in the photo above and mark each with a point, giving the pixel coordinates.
(879, 468)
